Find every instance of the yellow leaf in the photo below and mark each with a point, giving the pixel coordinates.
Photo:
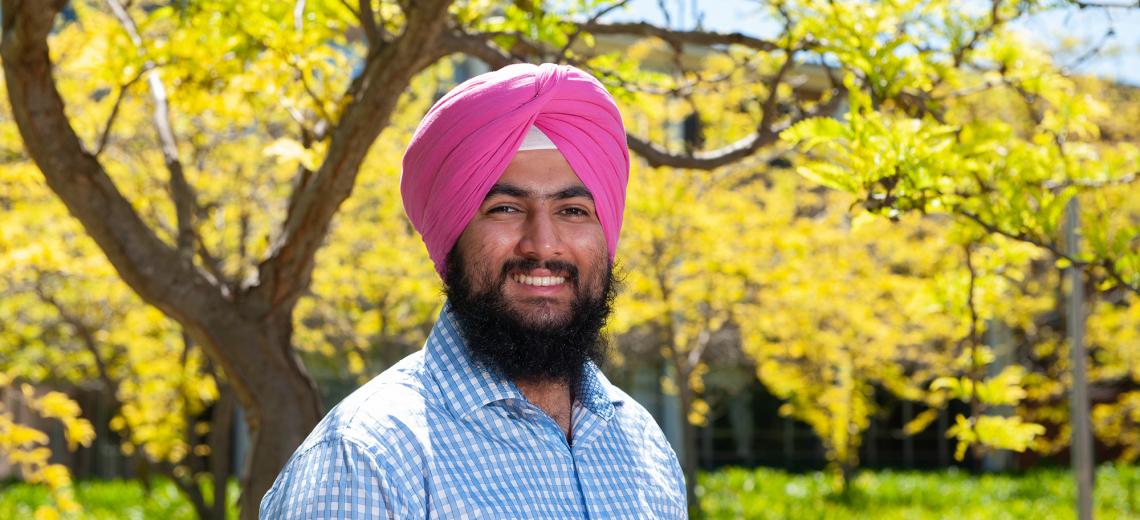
(920, 422)
(46, 513)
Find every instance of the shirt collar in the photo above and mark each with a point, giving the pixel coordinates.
(466, 386)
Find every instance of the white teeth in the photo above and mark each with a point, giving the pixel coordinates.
(540, 281)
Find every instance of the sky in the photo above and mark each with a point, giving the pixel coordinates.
(1120, 59)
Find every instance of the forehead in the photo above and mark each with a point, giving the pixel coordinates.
(541, 171)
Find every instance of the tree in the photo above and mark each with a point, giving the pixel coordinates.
(902, 86)
(682, 282)
(69, 320)
(244, 325)
(930, 143)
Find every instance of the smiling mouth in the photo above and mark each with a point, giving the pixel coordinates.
(539, 281)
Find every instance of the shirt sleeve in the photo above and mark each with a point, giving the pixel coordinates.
(340, 479)
(667, 465)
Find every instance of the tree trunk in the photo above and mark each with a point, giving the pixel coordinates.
(689, 461)
(220, 440)
(273, 442)
(281, 401)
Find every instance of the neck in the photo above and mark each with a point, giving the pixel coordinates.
(553, 397)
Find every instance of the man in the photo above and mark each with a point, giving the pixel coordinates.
(516, 181)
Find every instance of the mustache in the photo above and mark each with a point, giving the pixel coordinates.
(562, 267)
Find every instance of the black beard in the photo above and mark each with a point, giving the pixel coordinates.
(502, 342)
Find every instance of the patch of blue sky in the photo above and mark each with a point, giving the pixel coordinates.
(1104, 42)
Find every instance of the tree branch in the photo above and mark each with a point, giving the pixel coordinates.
(213, 266)
(665, 13)
(1106, 264)
(458, 42)
(188, 487)
(105, 136)
(299, 15)
(593, 19)
(972, 336)
(673, 37)
(317, 101)
(1091, 52)
(995, 21)
(769, 115)
(299, 72)
(86, 336)
(367, 19)
(479, 47)
(1092, 184)
(185, 200)
(152, 268)
(373, 94)
(1086, 5)
(749, 145)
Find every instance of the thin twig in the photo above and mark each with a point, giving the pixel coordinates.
(665, 13)
(292, 64)
(367, 19)
(767, 119)
(106, 135)
(1103, 5)
(1106, 264)
(86, 336)
(578, 29)
(317, 102)
(185, 200)
(299, 16)
(995, 20)
(1091, 52)
(1087, 183)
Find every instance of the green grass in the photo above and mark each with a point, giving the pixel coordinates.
(882, 495)
(106, 500)
(734, 493)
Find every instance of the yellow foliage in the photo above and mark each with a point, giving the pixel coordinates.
(993, 431)
(27, 448)
(1119, 424)
(920, 422)
(699, 412)
(46, 513)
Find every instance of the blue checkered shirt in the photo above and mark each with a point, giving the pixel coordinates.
(438, 436)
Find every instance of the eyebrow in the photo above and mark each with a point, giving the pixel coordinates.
(511, 190)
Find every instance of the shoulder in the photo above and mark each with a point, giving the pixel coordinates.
(393, 404)
(366, 457)
(634, 418)
(657, 458)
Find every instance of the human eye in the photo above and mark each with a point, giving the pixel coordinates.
(502, 209)
(575, 211)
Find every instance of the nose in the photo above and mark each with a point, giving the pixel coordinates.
(540, 239)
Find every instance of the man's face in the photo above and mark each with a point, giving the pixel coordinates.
(529, 280)
(536, 239)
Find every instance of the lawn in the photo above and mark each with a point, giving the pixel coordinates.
(883, 495)
(106, 500)
(738, 493)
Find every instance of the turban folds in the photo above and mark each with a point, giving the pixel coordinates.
(469, 136)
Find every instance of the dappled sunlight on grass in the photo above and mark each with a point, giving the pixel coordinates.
(1047, 493)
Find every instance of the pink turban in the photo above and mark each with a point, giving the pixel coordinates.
(468, 138)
